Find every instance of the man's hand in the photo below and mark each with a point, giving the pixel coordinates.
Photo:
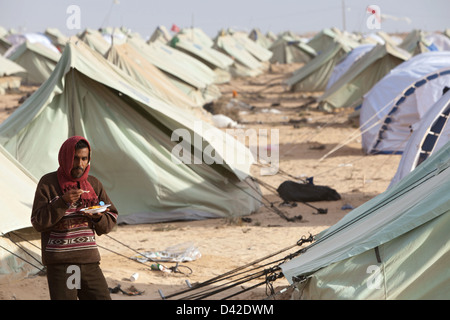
(72, 195)
(95, 216)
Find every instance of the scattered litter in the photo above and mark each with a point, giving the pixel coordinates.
(131, 291)
(235, 103)
(347, 207)
(134, 277)
(177, 253)
(265, 110)
(222, 121)
(345, 165)
(157, 266)
(175, 269)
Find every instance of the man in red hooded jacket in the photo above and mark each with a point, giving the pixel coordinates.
(69, 249)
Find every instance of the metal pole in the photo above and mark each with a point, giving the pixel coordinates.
(343, 16)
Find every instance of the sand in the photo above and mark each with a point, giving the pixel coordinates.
(306, 135)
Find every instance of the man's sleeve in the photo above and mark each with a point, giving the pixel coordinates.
(108, 219)
(48, 208)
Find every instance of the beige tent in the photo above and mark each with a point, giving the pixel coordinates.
(57, 38)
(37, 59)
(289, 50)
(95, 40)
(9, 75)
(245, 63)
(192, 76)
(198, 47)
(17, 187)
(314, 75)
(260, 38)
(127, 58)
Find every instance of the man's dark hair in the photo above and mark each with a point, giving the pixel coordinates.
(81, 145)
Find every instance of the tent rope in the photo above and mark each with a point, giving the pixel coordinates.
(17, 256)
(270, 274)
(399, 194)
(8, 236)
(271, 207)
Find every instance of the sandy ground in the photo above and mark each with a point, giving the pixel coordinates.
(305, 136)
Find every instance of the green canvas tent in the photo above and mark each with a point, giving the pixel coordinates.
(314, 75)
(17, 187)
(196, 35)
(349, 90)
(190, 75)
(258, 51)
(9, 67)
(4, 45)
(95, 40)
(9, 75)
(416, 43)
(57, 38)
(127, 58)
(160, 34)
(323, 39)
(260, 38)
(245, 64)
(395, 246)
(137, 154)
(37, 59)
(214, 59)
(287, 49)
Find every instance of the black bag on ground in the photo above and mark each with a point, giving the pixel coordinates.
(291, 191)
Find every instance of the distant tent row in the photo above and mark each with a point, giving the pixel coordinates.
(214, 59)
(36, 55)
(345, 67)
(130, 130)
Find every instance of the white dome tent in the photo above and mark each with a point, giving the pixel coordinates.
(400, 100)
(430, 135)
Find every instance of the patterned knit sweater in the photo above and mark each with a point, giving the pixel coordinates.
(67, 236)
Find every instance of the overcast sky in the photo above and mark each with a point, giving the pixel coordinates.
(211, 16)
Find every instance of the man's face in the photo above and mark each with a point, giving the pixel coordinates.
(80, 162)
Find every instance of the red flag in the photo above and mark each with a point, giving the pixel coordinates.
(175, 28)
